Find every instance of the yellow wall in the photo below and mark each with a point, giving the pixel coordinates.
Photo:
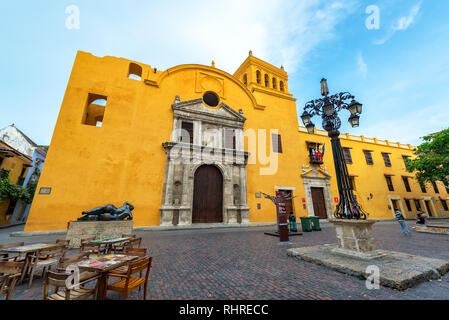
(124, 160)
(370, 179)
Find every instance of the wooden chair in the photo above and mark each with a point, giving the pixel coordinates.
(65, 242)
(58, 241)
(10, 272)
(66, 261)
(52, 254)
(92, 248)
(87, 240)
(134, 243)
(128, 282)
(59, 280)
(139, 252)
(128, 235)
(120, 247)
(5, 256)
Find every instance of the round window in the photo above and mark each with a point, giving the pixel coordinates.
(211, 99)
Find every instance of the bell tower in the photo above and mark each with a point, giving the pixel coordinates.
(261, 76)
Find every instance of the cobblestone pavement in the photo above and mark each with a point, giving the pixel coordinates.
(246, 264)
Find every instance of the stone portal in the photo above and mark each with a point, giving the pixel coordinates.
(206, 151)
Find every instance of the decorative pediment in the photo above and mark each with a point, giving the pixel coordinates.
(197, 109)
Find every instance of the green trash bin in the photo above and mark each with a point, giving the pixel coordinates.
(305, 224)
(315, 223)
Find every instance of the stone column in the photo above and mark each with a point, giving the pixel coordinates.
(169, 185)
(174, 136)
(244, 210)
(239, 143)
(197, 133)
(185, 211)
(243, 191)
(219, 143)
(167, 207)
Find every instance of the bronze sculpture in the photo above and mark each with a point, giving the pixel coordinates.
(108, 212)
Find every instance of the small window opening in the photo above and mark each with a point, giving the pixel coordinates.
(409, 206)
(315, 152)
(187, 132)
(347, 155)
(387, 160)
(211, 99)
(267, 80)
(277, 143)
(406, 184)
(389, 183)
(135, 72)
(281, 85)
(94, 111)
(245, 79)
(368, 157)
(417, 205)
(229, 138)
(274, 83)
(258, 76)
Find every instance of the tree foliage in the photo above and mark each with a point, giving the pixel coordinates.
(432, 161)
(13, 191)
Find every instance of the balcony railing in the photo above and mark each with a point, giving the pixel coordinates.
(315, 160)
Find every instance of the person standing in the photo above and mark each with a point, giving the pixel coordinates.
(402, 223)
(421, 218)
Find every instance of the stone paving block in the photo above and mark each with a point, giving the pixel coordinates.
(397, 270)
(244, 263)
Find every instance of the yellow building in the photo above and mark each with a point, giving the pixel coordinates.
(194, 144)
(17, 165)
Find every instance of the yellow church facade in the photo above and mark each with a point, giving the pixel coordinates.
(195, 144)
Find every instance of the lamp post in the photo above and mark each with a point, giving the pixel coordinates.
(328, 108)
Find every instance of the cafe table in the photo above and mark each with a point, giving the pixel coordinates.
(28, 250)
(108, 242)
(103, 264)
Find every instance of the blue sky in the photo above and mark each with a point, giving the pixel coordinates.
(399, 72)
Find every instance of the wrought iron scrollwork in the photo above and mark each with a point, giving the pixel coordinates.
(328, 108)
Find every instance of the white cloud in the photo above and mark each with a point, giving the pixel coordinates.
(283, 32)
(409, 127)
(405, 22)
(401, 24)
(363, 67)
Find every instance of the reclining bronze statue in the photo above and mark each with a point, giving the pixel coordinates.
(108, 212)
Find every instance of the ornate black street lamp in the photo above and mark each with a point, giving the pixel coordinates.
(328, 108)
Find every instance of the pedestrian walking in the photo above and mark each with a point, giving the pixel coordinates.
(402, 224)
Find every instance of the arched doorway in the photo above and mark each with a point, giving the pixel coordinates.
(208, 195)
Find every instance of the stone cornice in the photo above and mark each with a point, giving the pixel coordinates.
(193, 147)
(272, 92)
(181, 107)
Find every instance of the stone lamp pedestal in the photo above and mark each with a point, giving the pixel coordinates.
(355, 239)
(356, 250)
